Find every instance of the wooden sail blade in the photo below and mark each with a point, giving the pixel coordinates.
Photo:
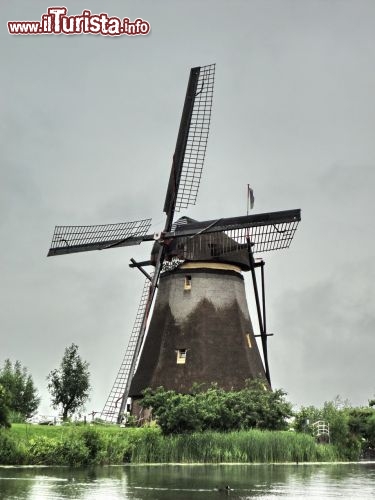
(73, 239)
(191, 143)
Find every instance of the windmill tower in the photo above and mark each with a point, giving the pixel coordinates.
(200, 329)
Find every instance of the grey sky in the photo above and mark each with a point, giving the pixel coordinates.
(88, 129)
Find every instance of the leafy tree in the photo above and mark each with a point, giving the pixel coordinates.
(69, 385)
(306, 417)
(265, 409)
(215, 409)
(4, 408)
(336, 415)
(22, 393)
(362, 424)
(346, 436)
(370, 431)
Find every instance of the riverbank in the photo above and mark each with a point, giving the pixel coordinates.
(83, 445)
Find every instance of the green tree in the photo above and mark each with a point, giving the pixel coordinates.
(4, 408)
(346, 437)
(265, 409)
(336, 415)
(305, 417)
(69, 385)
(370, 431)
(362, 424)
(22, 393)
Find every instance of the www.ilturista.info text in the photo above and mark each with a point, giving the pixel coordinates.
(57, 22)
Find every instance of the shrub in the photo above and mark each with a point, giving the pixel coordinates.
(72, 451)
(10, 453)
(255, 406)
(41, 450)
(94, 443)
(117, 449)
(4, 407)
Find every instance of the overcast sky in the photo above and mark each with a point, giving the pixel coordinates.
(88, 129)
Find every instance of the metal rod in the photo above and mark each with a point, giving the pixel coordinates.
(259, 312)
(142, 263)
(263, 298)
(138, 265)
(206, 228)
(264, 316)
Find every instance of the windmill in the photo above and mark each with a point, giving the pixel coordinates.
(200, 329)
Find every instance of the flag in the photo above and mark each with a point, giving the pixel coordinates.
(250, 196)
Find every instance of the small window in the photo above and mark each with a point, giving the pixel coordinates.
(187, 283)
(181, 356)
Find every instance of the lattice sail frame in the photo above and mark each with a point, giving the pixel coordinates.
(266, 232)
(197, 139)
(264, 237)
(69, 239)
(110, 412)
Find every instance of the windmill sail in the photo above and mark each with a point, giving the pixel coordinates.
(197, 140)
(72, 239)
(191, 143)
(115, 401)
(227, 238)
(245, 222)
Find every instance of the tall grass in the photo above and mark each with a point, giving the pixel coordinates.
(112, 445)
(243, 446)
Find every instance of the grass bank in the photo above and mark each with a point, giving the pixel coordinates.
(83, 445)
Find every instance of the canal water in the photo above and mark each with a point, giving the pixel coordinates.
(190, 482)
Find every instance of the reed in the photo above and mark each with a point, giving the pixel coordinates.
(113, 445)
(243, 446)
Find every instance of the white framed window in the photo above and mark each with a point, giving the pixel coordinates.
(187, 282)
(181, 356)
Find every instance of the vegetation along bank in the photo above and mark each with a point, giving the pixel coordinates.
(84, 445)
(208, 425)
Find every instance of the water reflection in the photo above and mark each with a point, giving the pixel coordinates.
(183, 482)
(60, 482)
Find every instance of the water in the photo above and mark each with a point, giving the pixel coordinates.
(190, 482)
